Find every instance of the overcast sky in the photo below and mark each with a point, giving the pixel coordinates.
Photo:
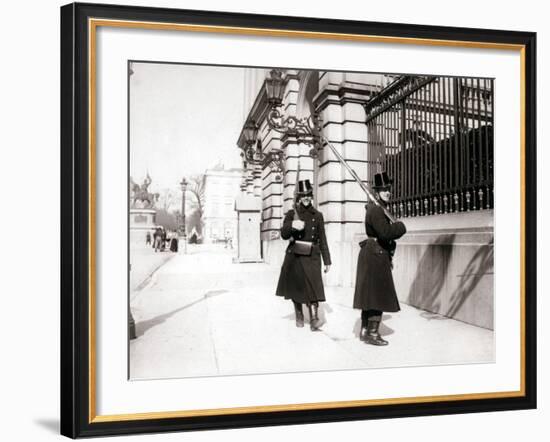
(183, 120)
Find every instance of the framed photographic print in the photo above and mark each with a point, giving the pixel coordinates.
(274, 220)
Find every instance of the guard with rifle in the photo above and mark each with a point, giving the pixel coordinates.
(300, 279)
(374, 287)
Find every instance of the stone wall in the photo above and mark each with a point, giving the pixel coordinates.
(444, 264)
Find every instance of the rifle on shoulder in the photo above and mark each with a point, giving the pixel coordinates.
(356, 178)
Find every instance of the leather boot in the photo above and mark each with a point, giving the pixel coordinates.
(363, 332)
(314, 322)
(299, 314)
(373, 336)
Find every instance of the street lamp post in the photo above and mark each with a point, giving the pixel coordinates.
(183, 186)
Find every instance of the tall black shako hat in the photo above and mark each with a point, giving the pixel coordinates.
(382, 181)
(304, 188)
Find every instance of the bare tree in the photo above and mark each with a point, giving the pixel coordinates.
(167, 220)
(196, 187)
(167, 199)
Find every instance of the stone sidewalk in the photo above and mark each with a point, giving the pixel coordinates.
(203, 315)
(144, 262)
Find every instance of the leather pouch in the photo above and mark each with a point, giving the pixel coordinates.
(302, 248)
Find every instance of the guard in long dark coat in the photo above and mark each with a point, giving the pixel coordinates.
(374, 287)
(300, 279)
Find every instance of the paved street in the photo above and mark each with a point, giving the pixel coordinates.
(200, 314)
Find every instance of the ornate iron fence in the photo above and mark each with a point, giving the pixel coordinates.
(434, 136)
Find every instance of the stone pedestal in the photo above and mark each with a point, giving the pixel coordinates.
(141, 222)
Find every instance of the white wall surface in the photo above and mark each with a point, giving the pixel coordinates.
(29, 171)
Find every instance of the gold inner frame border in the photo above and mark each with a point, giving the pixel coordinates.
(93, 24)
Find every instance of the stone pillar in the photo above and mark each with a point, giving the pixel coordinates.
(277, 195)
(295, 153)
(272, 208)
(249, 180)
(270, 189)
(340, 104)
(257, 180)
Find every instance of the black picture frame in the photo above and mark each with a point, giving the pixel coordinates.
(77, 251)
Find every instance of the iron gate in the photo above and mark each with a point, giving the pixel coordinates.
(434, 136)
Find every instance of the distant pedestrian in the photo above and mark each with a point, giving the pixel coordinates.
(148, 238)
(374, 287)
(300, 279)
(174, 243)
(228, 243)
(157, 239)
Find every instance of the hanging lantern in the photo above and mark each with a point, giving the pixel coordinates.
(250, 132)
(274, 87)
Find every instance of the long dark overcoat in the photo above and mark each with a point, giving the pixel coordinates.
(300, 278)
(374, 288)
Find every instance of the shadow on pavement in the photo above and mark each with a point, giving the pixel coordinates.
(143, 326)
(384, 329)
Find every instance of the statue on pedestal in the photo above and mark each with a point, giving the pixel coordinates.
(140, 196)
(142, 219)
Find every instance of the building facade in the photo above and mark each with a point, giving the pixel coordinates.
(433, 135)
(221, 188)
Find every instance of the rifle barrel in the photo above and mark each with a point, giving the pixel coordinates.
(296, 185)
(356, 178)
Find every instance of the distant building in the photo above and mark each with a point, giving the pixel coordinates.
(221, 187)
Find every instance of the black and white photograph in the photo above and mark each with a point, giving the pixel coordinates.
(286, 220)
(275, 221)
